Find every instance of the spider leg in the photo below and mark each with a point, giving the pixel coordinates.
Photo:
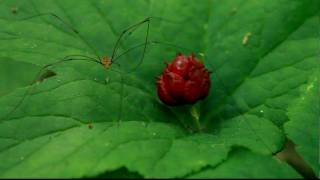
(68, 25)
(67, 58)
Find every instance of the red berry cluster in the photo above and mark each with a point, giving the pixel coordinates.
(184, 81)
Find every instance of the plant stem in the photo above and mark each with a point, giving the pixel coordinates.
(195, 116)
(293, 158)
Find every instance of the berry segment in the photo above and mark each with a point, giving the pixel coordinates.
(184, 81)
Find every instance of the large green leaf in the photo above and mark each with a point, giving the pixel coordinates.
(303, 128)
(245, 164)
(49, 134)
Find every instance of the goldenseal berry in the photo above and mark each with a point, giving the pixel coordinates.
(184, 81)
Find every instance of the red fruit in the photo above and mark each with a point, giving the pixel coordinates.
(184, 81)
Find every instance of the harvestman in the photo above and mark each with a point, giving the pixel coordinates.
(106, 62)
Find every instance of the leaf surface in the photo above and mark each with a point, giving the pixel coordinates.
(87, 120)
(303, 126)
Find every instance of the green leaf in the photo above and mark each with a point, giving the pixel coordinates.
(265, 74)
(303, 128)
(9, 81)
(86, 120)
(245, 164)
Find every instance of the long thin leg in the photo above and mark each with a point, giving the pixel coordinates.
(65, 59)
(121, 98)
(144, 45)
(144, 48)
(68, 26)
(129, 29)
(133, 27)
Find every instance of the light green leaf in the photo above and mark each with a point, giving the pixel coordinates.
(265, 74)
(303, 127)
(148, 149)
(87, 120)
(245, 164)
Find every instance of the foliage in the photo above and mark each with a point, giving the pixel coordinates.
(261, 53)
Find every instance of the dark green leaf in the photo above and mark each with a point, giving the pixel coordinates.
(87, 120)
